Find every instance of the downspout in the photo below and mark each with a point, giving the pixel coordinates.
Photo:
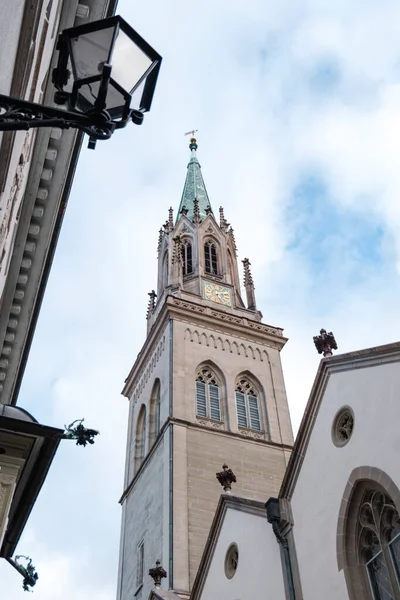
(171, 462)
(274, 517)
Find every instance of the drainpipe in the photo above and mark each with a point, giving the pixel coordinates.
(171, 459)
(274, 517)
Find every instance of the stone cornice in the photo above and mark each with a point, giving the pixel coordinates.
(179, 309)
(361, 359)
(191, 425)
(54, 154)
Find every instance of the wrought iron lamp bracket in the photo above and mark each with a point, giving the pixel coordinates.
(20, 115)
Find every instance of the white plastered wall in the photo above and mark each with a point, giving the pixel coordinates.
(373, 394)
(259, 572)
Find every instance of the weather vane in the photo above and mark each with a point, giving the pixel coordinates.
(191, 132)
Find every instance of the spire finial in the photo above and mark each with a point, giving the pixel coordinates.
(231, 232)
(249, 285)
(325, 343)
(193, 144)
(170, 218)
(160, 239)
(223, 223)
(221, 217)
(248, 279)
(152, 303)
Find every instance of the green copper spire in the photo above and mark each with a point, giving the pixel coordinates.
(194, 187)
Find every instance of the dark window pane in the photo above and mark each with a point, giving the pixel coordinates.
(379, 578)
(189, 259)
(213, 259)
(210, 252)
(395, 552)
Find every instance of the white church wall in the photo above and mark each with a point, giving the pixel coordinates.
(259, 566)
(373, 395)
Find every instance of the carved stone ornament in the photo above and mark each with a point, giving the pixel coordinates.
(251, 434)
(226, 478)
(231, 561)
(325, 343)
(343, 426)
(210, 423)
(157, 573)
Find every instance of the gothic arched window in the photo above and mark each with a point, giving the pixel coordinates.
(247, 407)
(379, 544)
(187, 262)
(208, 402)
(140, 442)
(154, 412)
(210, 254)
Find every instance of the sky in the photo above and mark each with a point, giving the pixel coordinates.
(297, 106)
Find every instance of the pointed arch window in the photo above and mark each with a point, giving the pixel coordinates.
(379, 544)
(210, 254)
(187, 260)
(155, 405)
(247, 405)
(140, 442)
(208, 403)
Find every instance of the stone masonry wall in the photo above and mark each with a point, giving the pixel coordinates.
(259, 469)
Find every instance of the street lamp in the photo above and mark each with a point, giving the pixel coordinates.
(105, 77)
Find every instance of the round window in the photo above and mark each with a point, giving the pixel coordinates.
(343, 425)
(231, 561)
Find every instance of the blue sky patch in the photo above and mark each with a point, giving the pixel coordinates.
(329, 236)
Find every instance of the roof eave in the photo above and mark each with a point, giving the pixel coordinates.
(44, 449)
(340, 362)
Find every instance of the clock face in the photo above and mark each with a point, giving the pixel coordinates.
(217, 293)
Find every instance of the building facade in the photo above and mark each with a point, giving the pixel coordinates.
(206, 388)
(336, 520)
(36, 172)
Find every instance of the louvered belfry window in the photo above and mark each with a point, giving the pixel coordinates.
(187, 261)
(248, 412)
(207, 395)
(210, 253)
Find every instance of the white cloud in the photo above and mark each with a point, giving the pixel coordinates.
(245, 77)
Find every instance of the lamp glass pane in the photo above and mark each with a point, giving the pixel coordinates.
(129, 62)
(90, 51)
(115, 101)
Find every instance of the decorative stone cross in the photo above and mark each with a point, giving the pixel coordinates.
(226, 478)
(157, 573)
(325, 343)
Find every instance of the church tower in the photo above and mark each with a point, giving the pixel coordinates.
(206, 388)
